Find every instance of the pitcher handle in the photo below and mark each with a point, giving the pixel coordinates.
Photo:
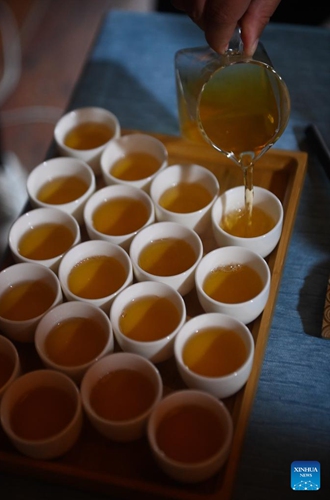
(235, 46)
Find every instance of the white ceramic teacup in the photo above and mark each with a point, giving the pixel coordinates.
(72, 336)
(110, 272)
(246, 277)
(232, 201)
(214, 352)
(131, 149)
(42, 236)
(185, 193)
(146, 318)
(27, 292)
(42, 431)
(126, 210)
(208, 435)
(64, 183)
(10, 364)
(93, 116)
(141, 388)
(174, 257)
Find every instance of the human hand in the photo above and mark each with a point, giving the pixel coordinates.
(219, 18)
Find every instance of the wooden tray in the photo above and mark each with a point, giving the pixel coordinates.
(128, 470)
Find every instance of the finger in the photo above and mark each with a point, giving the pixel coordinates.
(254, 21)
(220, 20)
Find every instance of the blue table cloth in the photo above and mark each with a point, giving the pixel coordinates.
(131, 72)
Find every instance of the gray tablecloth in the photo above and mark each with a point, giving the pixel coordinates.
(131, 72)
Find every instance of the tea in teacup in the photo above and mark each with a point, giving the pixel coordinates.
(190, 434)
(185, 197)
(167, 257)
(96, 277)
(88, 135)
(135, 166)
(119, 216)
(122, 394)
(61, 190)
(75, 341)
(42, 412)
(45, 241)
(26, 300)
(233, 283)
(214, 352)
(245, 225)
(149, 318)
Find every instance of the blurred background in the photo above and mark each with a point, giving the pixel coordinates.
(43, 47)
(288, 11)
(44, 44)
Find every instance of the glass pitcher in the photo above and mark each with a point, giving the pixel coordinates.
(238, 104)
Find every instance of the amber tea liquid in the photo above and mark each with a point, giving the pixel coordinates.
(238, 109)
(96, 277)
(75, 341)
(88, 135)
(135, 166)
(242, 110)
(149, 318)
(45, 241)
(41, 413)
(167, 257)
(62, 190)
(185, 197)
(26, 300)
(239, 113)
(233, 283)
(120, 216)
(214, 352)
(240, 223)
(122, 394)
(190, 434)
